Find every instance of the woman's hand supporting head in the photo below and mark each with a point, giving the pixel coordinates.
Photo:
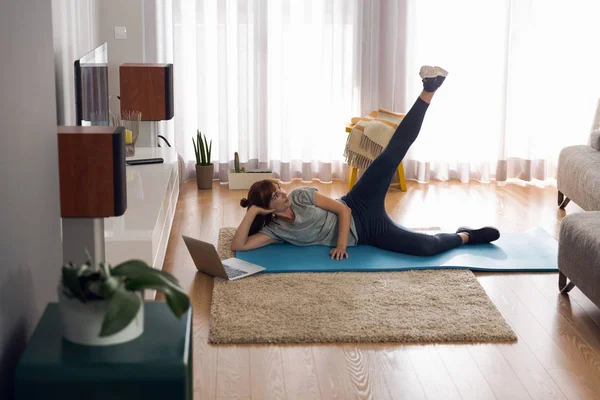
(260, 211)
(247, 235)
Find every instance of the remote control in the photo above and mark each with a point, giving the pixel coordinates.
(141, 161)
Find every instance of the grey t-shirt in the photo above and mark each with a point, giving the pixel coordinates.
(313, 225)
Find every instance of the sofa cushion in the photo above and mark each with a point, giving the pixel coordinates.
(578, 176)
(595, 139)
(578, 248)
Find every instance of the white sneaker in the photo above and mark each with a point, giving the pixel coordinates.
(432, 77)
(427, 71)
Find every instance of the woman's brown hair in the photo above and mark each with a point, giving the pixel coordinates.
(260, 195)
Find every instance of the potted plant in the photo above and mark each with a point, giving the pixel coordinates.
(239, 178)
(101, 305)
(204, 168)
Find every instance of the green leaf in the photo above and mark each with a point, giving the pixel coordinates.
(177, 299)
(85, 272)
(122, 309)
(105, 268)
(132, 269)
(196, 152)
(209, 152)
(109, 286)
(89, 257)
(202, 155)
(70, 280)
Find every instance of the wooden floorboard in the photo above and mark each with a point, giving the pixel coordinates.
(299, 373)
(500, 375)
(398, 372)
(433, 374)
(266, 373)
(335, 382)
(557, 355)
(366, 378)
(469, 378)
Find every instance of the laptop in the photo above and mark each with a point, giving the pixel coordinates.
(207, 260)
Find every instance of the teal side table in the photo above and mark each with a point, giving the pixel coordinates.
(157, 365)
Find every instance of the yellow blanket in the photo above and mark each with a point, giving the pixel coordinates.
(369, 136)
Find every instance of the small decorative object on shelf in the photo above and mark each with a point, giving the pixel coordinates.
(239, 178)
(130, 120)
(204, 168)
(101, 305)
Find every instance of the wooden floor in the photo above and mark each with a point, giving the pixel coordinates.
(557, 355)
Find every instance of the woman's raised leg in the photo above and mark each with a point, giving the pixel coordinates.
(371, 188)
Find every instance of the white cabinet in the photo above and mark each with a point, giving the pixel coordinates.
(152, 193)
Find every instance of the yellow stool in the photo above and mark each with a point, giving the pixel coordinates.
(353, 172)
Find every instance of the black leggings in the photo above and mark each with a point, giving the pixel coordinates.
(367, 196)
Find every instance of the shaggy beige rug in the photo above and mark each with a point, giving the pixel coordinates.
(409, 306)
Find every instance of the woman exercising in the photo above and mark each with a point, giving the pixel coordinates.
(306, 217)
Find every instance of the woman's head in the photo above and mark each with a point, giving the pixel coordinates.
(267, 194)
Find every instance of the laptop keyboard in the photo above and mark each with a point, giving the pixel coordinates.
(233, 272)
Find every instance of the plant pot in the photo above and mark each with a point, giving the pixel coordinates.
(204, 176)
(243, 180)
(82, 322)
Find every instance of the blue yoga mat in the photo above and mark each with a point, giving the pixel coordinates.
(531, 251)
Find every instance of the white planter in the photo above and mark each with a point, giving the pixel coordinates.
(243, 180)
(82, 322)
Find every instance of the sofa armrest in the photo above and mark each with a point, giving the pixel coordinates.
(595, 139)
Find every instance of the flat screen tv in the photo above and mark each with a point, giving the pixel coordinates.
(91, 88)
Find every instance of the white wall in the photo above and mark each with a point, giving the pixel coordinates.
(126, 13)
(130, 14)
(30, 244)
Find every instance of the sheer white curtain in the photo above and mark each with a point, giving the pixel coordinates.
(275, 81)
(522, 85)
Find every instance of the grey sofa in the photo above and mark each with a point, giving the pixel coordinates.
(578, 179)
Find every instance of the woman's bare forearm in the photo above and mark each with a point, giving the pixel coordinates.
(343, 227)
(241, 233)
